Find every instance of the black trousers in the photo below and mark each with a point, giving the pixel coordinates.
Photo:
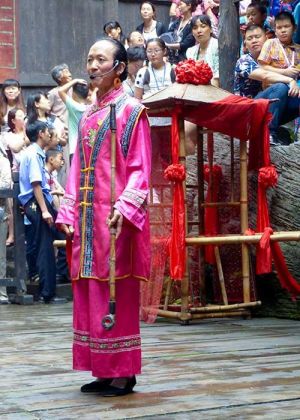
(42, 236)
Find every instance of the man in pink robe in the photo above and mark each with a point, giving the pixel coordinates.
(113, 356)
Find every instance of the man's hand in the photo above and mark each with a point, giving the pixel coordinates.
(291, 72)
(47, 217)
(81, 81)
(294, 89)
(67, 229)
(115, 222)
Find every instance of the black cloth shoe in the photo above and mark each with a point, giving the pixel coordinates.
(96, 386)
(113, 391)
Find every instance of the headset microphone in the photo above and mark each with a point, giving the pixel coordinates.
(94, 76)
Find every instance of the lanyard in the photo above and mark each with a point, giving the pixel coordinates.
(288, 62)
(164, 78)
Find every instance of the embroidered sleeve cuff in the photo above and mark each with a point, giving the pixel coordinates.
(66, 211)
(136, 216)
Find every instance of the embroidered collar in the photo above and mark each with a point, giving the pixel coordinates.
(105, 100)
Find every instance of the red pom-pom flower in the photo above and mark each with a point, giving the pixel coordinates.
(267, 176)
(175, 172)
(194, 72)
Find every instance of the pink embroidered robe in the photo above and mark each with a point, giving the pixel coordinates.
(86, 205)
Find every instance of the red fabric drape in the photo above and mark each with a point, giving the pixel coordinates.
(211, 219)
(176, 174)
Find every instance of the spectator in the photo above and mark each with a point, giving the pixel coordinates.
(281, 55)
(36, 199)
(54, 163)
(113, 30)
(61, 75)
(38, 108)
(150, 28)
(257, 15)
(206, 47)
(175, 13)
(136, 58)
(16, 138)
(135, 39)
(54, 141)
(76, 105)
(211, 9)
(249, 77)
(158, 74)
(5, 182)
(180, 37)
(10, 97)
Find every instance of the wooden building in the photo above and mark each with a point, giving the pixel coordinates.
(36, 35)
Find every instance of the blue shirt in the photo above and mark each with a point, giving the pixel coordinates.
(242, 84)
(32, 169)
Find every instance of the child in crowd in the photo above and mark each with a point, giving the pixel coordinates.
(36, 200)
(257, 15)
(54, 162)
(54, 140)
(136, 58)
(76, 105)
(135, 39)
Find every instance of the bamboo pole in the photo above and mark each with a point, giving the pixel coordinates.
(221, 275)
(240, 313)
(189, 316)
(244, 219)
(224, 308)
(226, 239)
(168, 293)
(239, 239)
(185, 280)
(175, 315)
(200, 174)
(232, 169)
(222, 204)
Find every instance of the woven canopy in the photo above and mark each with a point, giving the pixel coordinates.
(184, 94)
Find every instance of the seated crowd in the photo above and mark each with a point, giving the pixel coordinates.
(39, 140)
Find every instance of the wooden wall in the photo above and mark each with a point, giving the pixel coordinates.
(50, 32)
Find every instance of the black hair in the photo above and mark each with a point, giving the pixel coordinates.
(152, 6)
(3, 100)
(258, 6)
(11, 116)
(159, 41)
(52, 153)
(33, 129)
(202, 18)
(253, 26)
(32, 113)
(120, 54)
(81, 90)
(136, 54)
(113, 24)
(285, 15)
(193, 3)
